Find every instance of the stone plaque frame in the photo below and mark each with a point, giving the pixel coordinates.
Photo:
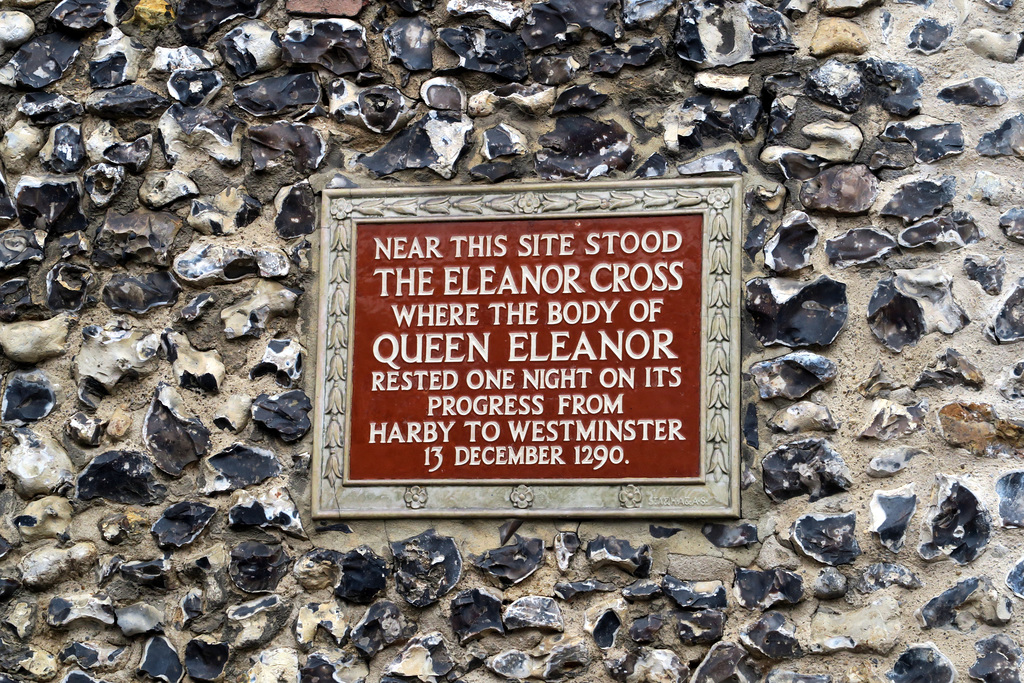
(715, 493)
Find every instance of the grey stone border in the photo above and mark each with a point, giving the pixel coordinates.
(714, 493)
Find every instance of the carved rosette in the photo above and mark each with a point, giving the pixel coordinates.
(521, 497)
(716, 201)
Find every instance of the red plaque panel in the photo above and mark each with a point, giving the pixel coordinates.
(526, 350)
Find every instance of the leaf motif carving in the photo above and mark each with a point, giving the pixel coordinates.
(468, 204)
(504, 203)
(719, 328)
(369, 207)
(438, 205)
(684, 198)
(587, 201)
(554, 202)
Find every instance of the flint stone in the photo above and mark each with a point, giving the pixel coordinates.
(197, 20)
(806, 466)
(793, 313)
(701, 627)
(899, 84)
(338, 45)
(205, 658)
(490, 51)
(257, 567)
(932, 139)
(978, 428)
(1010, 489)
(434, 141)
(410, 42)
(120, 477)
(772, 636)
(50, 203)
(909, 304)
(40, 62)
(250, 47)
(280, 95)
(563, 22)
(884, 574)
(605, 551)
(873, 628)
(837, 85)
(533, 611)
(511, 564)
(829, 539)
(859, 246)
(844, 190)
(239, 466)
(726, 661)
(47, 109)
(270, 509)
(139, 295)
(569, 590)
(977, 92)
(943, 233)
(383, 625)
(710, 33)
(427, 567)
(181, 523)
(475, 613)
(765, 589)
(830, 584)
(957, 525)
(740, 534)
(694, 595)
(922, 662)
(891, 512)
(174, 439)
(789, 249)
(999, 660)
(792, 376)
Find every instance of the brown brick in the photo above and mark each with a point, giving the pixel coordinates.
(326, 8)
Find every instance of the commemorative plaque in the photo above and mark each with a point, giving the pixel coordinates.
(538, 350)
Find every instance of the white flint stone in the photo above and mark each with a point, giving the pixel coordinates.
(109, 352)
(208, 262)
(724, 83)
(48, 566)
(33, 341)
(268, 299)
(52, 515)
(873, 628)
(20, 144)
(533, 99)
(995, 46)
(167, 59)
(114, 43)
(161, 188)
(39, 465)
(501, 11)
(15, 29)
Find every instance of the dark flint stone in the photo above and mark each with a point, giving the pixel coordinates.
(850, 189)
(181, 524)
(726, 662)
(644, 13)
(951, 368)
(285, 414)
(1015, 579)
(475, 613)
(197, 20)
(28, 396)
(567, 590)
(801, 166)
(338, 45)
(511, 564)
(258, 567)
(553, 69)
(999, 660)
(411, 6)
(68, 152)
(126, 293)
(363, 576)
(658, 531)
(645, 629)
(793, 376)
(1008, 324)
(43, 60)
(174, 439)
(238, 48)
(606, 551)
(637, 53)
(899, 82)
(74, 244)
(278, 512)
(727, 161)
(931, 142)
(795, 313)
(928, 36)
(134, 155)
(986, 272)
(640, 590)
(322, 667)
(50, 203)
(125, 102)
(15, 298)
(194, 88)
(47, 109)
(750, 425)
(656, 166)
(240, 465)
(20, 246)
(160, 661)
(89, 655)
(427, 567)
(764, 589)
(498, 142)
(85, 15)
(922, 663)
(772, 636)
(283, 359)
(897, 317)
(807, 466)
(919, 199)
(830, 584)
(735, 32)
(563, 22)
(1010, 489)
(7, 208)
(859, 246)
(956, 230)
(829, 539)
(1012, 223)
(85, 430)
(736, 535)
(780, 116)
(606, 628)
(881, 160)
(205, 661)
(694, 595)
(280, 95)
(489, 51)
(296, 215)
(284, 137)
(410, 42)
(836, 84)
(383, 625)
(442, 93)
(941, 611)
(199, 379)
(582, 148)
(578, 98)
(120, 477)
(103, 182)
(743, 117)
(756, 237)
(1006, 140)
(959, 526)
(788, 250)
(149, 573)
(785, 676)
(977, 92)
(702, 627)
(891, 514)
(67, 287)
(414, 146)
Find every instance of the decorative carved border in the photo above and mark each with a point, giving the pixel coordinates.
(715, 493)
